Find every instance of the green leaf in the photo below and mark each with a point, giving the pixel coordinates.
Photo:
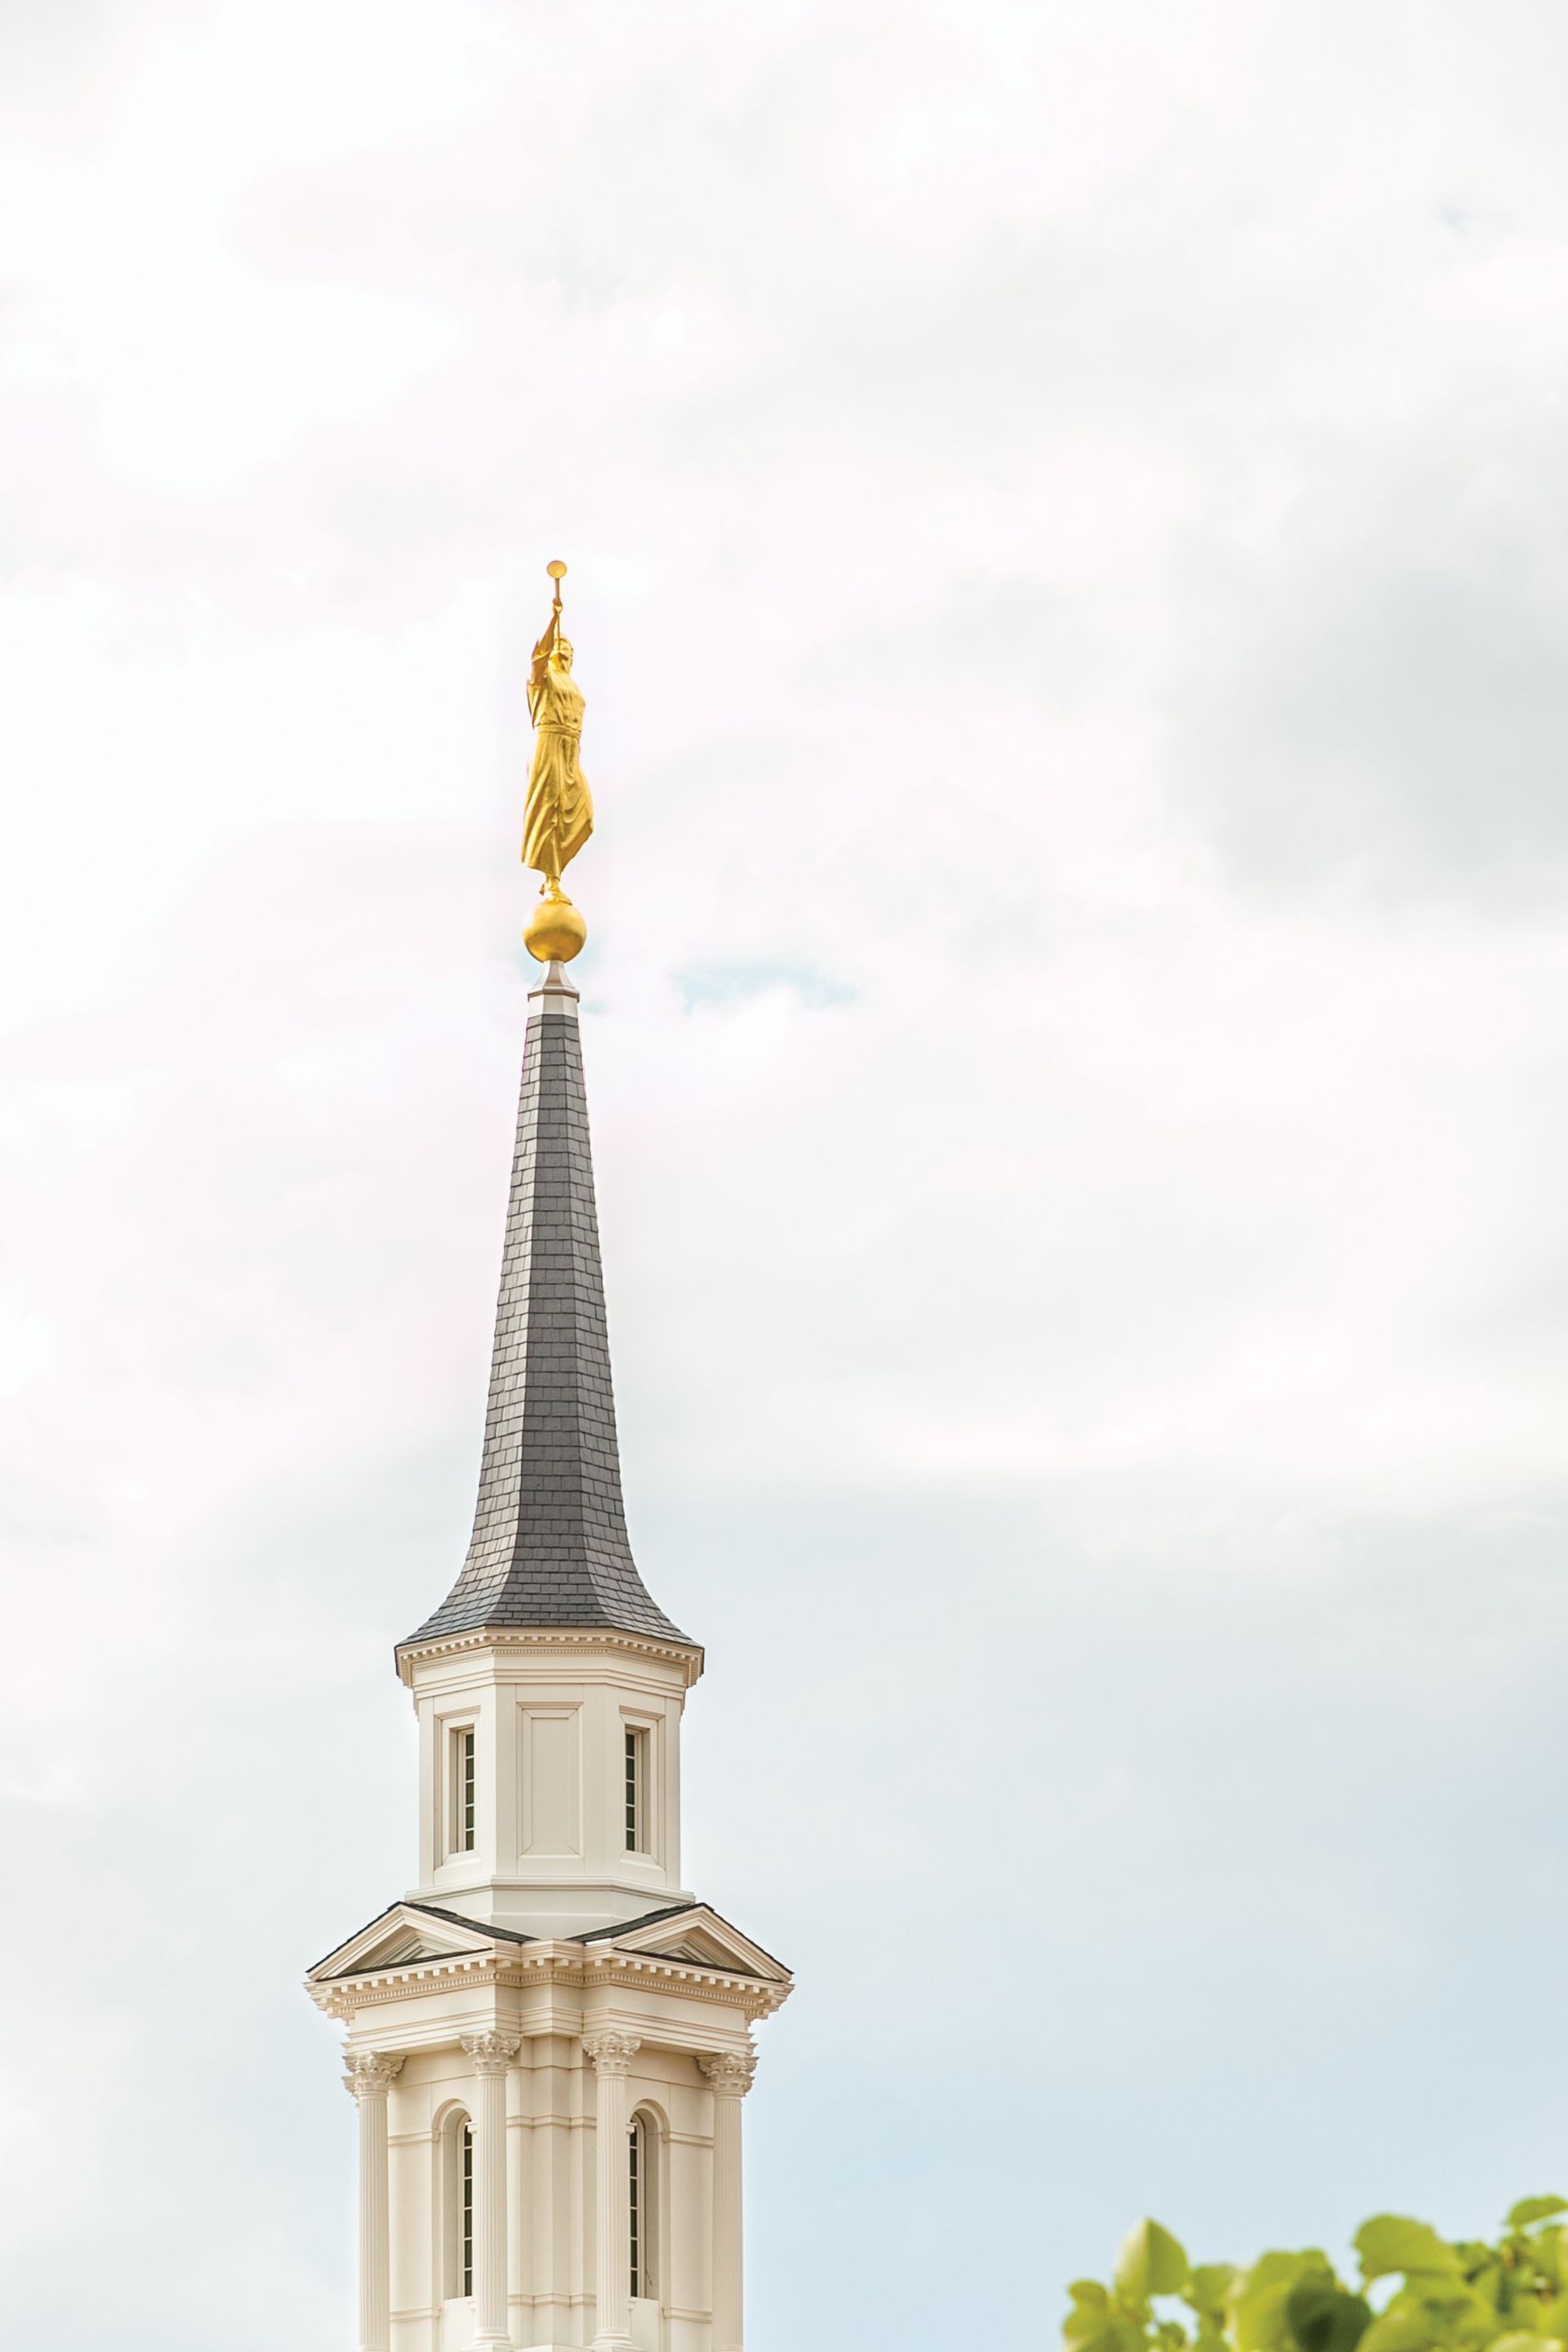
(1150, 2263)
(1095, 2325)
(1535, 2209)
(1390, 2243)
(1398, 2331)
(1258, 2296)
(1522, 2339)
(1323, 2317)
(1451, 2306)
(1261, 2319)
(1118, 2334)
(1209, 2287)
(1544, 2254)
(1088, 2323)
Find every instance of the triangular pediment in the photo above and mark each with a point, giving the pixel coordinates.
(706, 1950)
(406, 1936)
(701, 1938)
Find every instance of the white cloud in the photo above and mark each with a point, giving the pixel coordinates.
(1061, 516)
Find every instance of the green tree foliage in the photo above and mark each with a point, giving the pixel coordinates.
(1417, 2292)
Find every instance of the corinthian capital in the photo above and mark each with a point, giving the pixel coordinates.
(611, 2054)
(369, 2072)
(491, 2052)
(730, 2072)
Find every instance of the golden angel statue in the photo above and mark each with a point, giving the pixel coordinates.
(559, 812)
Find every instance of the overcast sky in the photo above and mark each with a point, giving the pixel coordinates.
(1066, 516)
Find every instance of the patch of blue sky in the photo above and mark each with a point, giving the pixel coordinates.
(733, 984)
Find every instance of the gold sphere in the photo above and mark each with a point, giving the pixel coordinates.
(554, 931)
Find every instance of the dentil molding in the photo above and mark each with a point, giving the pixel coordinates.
(551, 1642)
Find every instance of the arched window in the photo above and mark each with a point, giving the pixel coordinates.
(642, 2160)
(457, 2204)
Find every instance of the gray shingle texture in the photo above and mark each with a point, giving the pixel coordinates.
(549, 1546)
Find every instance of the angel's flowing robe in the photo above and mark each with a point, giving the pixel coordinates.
(559, 812)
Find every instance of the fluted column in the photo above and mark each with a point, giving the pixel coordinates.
(731, 2076)
(491, 2055)
(612, 2054)
(369, 2073)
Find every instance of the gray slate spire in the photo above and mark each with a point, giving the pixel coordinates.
(549, 1546)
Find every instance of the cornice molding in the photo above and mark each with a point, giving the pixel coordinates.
(560, 1640)
(572, 1971)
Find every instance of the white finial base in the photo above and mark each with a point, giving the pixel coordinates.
(554, 992)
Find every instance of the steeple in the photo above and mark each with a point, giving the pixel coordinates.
(549, 2036)
(549, 1546)
(549, 1684)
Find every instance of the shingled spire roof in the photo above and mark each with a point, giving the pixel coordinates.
(549, 1546)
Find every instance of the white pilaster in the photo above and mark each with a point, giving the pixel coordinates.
(731, 2076)
(369, 2073)
(612, 2054)
(520, 2196)
(490, 2053)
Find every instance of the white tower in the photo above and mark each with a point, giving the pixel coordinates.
(550, 2039)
